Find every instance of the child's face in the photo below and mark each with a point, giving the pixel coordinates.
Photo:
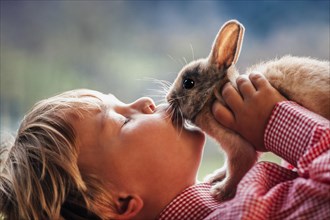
(136, 147)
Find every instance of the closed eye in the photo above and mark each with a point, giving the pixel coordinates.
(126, 121)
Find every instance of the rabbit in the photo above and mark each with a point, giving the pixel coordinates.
(303, 80)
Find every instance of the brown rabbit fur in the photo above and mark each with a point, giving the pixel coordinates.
(303, 80)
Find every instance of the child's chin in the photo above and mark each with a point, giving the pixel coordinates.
(192, 128)
(198, 135)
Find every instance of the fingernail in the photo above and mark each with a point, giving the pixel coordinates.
(255, 73)
(240, 78)
(227, 84)
(225, 88)
(216, 106)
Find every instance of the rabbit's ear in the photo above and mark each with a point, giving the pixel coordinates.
(227, 45)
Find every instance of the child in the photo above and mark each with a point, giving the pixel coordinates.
(87, 150)
(84, 150)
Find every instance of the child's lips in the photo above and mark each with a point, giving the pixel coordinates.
(161, 109)
(170, 113)
(178, 121)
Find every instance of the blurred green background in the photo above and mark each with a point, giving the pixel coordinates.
(48, 47)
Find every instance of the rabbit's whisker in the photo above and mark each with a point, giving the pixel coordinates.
(184, 59)
(192, 52)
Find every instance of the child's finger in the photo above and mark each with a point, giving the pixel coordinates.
(245, 87)
(223, 115)
(231, 97)
(258, 80)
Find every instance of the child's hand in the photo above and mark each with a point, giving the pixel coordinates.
(248, 112)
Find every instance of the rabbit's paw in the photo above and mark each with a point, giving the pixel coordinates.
(222, 191)
(216, 176)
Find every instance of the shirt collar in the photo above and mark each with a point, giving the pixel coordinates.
(195, 202)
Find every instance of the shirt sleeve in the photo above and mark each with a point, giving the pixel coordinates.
(270, 191)
(301, 137)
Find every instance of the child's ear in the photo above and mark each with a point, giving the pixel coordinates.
(227, 45)
(128, 206)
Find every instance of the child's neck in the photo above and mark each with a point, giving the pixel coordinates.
(157, 198)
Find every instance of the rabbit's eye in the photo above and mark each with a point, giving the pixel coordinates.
(188, 83)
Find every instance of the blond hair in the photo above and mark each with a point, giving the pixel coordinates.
(40, 178)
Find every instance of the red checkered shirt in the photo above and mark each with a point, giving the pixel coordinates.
(194, 203)
(268, 190)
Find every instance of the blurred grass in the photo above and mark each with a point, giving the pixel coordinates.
(270, 157)
(209, 164)
(213, 160)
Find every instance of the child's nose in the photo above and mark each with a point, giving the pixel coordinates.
(145, 105)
